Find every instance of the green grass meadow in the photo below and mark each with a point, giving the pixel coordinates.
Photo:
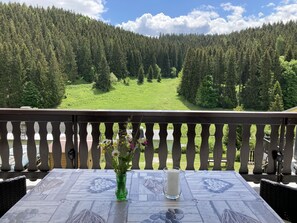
(148, 96)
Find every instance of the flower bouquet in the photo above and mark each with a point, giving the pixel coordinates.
(121, 152)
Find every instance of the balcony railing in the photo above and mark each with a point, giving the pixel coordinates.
(53, 137)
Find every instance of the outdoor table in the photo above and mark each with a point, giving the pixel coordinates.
(82, 195)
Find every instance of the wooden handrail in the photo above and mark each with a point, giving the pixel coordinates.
(69, 133)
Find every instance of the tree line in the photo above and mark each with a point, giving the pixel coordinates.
(255, 69)
(42, 50)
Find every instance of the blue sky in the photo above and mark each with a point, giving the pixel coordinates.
(132, 9)
(152, 17)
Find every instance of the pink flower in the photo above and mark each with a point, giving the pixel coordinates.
(132, 146)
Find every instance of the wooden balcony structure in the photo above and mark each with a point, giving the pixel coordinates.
(78, 148)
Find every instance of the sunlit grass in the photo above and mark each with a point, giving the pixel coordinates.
(148, 96)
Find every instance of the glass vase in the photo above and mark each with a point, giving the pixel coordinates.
(121, 190)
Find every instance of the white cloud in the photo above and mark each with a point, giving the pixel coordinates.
(271, 4)
(208, 21)
(282, 13)
(260, 14)
(91, 8)
(195, 22)
(237, 11)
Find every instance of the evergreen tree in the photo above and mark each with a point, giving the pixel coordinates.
(96, 50)
(207, 96)
(118, 61)
(60, 51)
(277, 104)
(103, 82)
(191, 75)
(5, 60)
(26, 60)
(150, 74)
(265, 80)
(16, 81)
(39, 77)
(250, 98)
(229, 95)
(280, 45)
(84, 61)
(31, 96)
(289, 54)
(55, 83)
(173, 73)
(276, 67)
(289, 83)
(166, 65)
(140, 78)
(159, 78)
(134, 62)
(218, 74)
(276, 90)
(156, 71)
(70, 68)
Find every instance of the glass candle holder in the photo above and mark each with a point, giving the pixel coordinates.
(171, 183)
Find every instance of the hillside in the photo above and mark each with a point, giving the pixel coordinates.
(132, 97)
(43, 49)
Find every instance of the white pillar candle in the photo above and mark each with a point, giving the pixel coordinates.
(173, 182)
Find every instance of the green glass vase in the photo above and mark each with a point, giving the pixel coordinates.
(121, 190)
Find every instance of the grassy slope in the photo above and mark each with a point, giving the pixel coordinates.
(148, 96)
(293, 109)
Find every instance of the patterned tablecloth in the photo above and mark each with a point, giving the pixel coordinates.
(71, 195)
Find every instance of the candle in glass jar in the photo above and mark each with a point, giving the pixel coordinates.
(173, 182)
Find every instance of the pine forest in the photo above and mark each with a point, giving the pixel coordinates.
(43, 50)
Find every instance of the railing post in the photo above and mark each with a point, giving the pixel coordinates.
(288, 148)
(295, 147)
(43, 147)
(280, 151)
(4, 147)
(191, 150)
(231, 147)
(149, 150)
(273, 146)
(218, 147)
(108, 135)
(17, 146)
(75, 132)
(204, 149)
(295, 154)
(259, 150)
(56, 146)
(245, 149)
(163, 149)
(176, 147)
(95, 152)
(136, 134)
(31, 146)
